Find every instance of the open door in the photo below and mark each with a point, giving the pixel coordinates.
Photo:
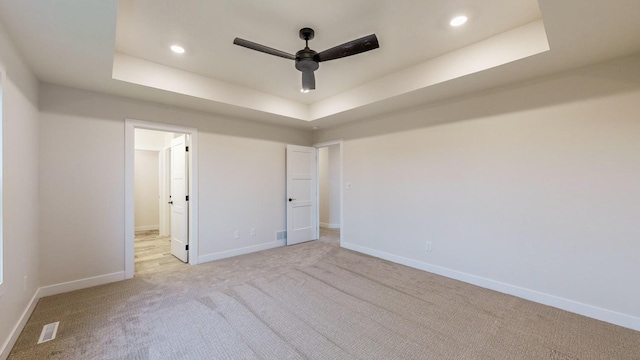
(302, 178)
(179, 196)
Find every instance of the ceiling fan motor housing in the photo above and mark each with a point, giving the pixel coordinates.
(305, 60)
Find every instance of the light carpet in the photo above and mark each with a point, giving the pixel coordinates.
(311, 301)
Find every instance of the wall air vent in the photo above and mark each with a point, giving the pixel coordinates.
(281, 235)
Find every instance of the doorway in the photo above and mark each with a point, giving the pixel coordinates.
(156, 244)
(160, 194)
(330, 189)
(304, 192)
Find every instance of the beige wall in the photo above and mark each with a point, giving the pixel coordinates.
(532, 189)
(151, 140)
(241, 177)
(19, 190)
(146, 189)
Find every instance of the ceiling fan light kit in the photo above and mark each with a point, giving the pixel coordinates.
(307, 60)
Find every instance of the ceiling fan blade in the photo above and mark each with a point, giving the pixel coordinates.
(350, 48)
(308, 80)
(265, 49)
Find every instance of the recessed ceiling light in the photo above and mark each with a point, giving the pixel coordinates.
(304, 91)
(458, 20)
(177, 49)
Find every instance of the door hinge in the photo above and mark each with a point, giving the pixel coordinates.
(187, 197)
(186, 149)
(186, 247)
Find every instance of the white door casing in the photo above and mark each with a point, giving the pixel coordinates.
(302, 179)
(129, 223)
(179, 193)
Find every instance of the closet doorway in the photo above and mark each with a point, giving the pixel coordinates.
(330, 193)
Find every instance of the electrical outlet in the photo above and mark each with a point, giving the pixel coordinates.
(253, 232)
(428, 245)
(236, 234)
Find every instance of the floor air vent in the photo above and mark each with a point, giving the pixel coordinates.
(49, 332)
(281, 235)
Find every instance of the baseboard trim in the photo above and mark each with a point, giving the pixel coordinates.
(241, 251)
(81, 284)
(616, 318)
(17, 329)
(147, 228)
(329, 226)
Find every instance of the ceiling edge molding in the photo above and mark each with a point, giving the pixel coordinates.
(513, 45)
(146, 73)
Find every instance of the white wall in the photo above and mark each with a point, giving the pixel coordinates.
(20, 192)
(329, 185)
(146, 190)
(532, 189)
(241, 177)
(150, 139)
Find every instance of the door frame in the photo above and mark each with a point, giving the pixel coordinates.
(129, 211)
(340, 143)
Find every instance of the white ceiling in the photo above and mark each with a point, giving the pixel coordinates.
(121, 47)
(410, 32)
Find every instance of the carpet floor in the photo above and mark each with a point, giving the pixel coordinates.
(310, 301)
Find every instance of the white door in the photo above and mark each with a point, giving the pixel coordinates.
(179, 204)
(302, 177)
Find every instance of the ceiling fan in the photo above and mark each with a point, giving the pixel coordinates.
(307, 60)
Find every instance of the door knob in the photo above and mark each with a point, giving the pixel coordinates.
(171, 202)
(290, 199)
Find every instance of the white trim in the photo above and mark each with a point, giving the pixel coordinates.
(149, 148)
(17, 329)
(241, 251)
(339, 142)
(3, 77)
(129, 145)
(328, 143)
(147, 227)
(329, 226)
(80, 284)
(624, 320)
(129, 202)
